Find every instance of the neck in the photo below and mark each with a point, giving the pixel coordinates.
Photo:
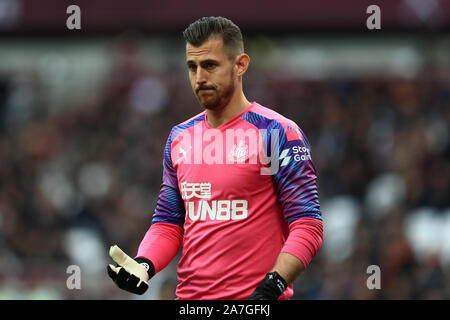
(236, 105)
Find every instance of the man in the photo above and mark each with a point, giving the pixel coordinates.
(239, 188)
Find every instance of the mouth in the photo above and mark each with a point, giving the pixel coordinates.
(205, 90)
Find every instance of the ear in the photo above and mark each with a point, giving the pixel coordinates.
(241, 64)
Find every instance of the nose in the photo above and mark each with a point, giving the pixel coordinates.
(200, 76)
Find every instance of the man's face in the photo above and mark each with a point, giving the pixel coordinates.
(211, 73)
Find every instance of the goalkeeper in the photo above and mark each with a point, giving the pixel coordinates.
(239, 190)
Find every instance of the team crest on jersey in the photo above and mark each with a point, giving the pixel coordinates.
(238, 153)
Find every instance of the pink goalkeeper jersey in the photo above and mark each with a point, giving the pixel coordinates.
(234, 190)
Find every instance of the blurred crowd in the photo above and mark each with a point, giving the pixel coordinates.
(76, 181)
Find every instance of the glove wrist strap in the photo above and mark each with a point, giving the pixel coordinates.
(271, 288)
(147, 264)
(277, 280)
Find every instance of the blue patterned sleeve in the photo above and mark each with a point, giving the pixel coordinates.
(170, 205)
(295, 179)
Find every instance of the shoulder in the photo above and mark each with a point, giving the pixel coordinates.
(266, 118)
(179, 128)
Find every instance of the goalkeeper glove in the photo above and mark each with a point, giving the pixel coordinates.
(271, 288)
(130, 274)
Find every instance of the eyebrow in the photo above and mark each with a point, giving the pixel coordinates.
(189, 62)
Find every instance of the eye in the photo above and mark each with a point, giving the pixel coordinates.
(210, 65)
(192, 67)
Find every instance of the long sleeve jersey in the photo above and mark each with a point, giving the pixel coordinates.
(233, 191)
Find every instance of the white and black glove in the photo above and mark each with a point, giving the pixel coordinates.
(130, 274)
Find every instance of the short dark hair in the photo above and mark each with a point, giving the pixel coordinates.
(205, 28)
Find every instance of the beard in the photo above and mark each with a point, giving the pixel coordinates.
(213, 98)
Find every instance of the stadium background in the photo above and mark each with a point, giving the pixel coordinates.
(84, 116)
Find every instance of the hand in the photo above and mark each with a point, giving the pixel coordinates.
(271, 288)
(130, 274)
